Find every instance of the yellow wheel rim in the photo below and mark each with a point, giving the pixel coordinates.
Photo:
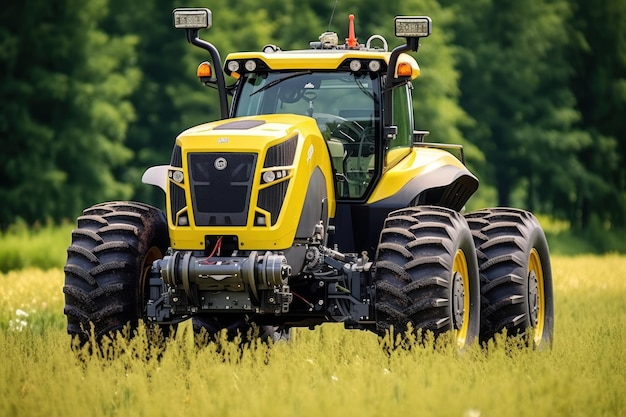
(536, 296)
(460, 298)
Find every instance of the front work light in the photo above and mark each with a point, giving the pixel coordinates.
(185, 18)
(412, 26)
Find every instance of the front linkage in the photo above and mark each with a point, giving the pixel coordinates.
(332, 286)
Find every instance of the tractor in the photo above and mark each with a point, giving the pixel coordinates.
(313, 199)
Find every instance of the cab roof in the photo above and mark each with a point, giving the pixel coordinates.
(316, 59)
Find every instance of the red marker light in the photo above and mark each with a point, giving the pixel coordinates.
(351, 41)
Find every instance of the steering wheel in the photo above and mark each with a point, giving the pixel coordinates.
(344, 128)
(290, 95)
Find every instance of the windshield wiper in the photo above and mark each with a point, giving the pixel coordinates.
(280, 80)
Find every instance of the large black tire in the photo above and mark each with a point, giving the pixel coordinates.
(516, 277)
(108, 261)
(427, 274)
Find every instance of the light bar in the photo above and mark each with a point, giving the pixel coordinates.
(192, 18)
(412, 26)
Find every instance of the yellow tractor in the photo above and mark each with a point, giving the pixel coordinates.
(312, 200)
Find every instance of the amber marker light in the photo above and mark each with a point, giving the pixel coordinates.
(403, 69)
(204, 70)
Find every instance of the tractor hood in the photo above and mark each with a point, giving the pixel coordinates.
(244, 134)
(266, 180)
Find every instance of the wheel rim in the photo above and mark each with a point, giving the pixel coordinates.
(460, 298)
(536, 296)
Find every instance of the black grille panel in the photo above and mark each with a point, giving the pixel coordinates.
(177, 159)
(281, 154)
(177, 200)
(220, 187)
(272, 198)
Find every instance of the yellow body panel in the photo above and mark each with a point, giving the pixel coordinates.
(415, 162)
(324, 59)
(311, 154)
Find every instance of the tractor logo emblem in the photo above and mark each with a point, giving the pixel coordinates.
(220, 164)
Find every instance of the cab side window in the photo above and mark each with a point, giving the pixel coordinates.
(402, 116)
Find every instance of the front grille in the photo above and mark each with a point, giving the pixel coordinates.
(281, 154)
(220, 187)
(272, 198)
(177, 200)
(177, 159)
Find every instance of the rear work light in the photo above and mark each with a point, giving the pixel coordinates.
(413, 26)
(192, 18)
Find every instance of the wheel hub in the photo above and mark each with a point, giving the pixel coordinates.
(458, 300)
(533, 298)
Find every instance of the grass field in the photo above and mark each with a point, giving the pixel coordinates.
(325, 372)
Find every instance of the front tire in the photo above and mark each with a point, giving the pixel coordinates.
(516, 277)
(427, 274)
(108, 261)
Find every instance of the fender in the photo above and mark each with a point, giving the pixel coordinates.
(447, 186)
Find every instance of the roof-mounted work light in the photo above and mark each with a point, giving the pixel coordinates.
(413, 26)
(192, 18)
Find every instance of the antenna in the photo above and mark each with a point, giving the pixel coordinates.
(332, 14)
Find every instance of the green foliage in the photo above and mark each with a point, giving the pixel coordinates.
(599, 59)
(63, 109)
(327, 371)
(93, 93)
(515, 86)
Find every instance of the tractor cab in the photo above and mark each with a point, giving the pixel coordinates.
(342, 87)
(344, 106)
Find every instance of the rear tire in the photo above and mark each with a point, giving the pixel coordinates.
(108, 261)
(427, 274)
(516, 278)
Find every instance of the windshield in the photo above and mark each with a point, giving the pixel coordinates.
(345, 106)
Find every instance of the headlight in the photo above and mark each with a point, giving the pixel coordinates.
(250, 65)
(374, 66)
(178, 176)
(233, 66)
(355, 65)
(268, 176)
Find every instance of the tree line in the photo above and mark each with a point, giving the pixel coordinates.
(92, 93)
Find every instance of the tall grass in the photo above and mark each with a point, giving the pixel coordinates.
(325, 372)
(23, 246)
